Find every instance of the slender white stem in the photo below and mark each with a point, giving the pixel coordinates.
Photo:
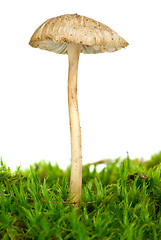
(75, 130)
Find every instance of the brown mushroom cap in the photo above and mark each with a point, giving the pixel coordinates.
(55, 33)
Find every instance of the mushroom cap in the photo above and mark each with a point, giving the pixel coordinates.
(95, 37)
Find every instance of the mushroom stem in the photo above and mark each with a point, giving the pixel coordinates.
(75, 130)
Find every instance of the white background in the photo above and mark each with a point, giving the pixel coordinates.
(119, 93)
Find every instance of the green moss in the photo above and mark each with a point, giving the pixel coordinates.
(123, 201)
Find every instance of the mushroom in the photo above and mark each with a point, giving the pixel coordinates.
(73, 34)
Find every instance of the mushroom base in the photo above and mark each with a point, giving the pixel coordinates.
(75, 130)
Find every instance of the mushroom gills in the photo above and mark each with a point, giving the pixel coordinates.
(47, 44)
(98, 49)
(61, 48)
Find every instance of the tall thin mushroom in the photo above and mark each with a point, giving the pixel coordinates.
(73, 34)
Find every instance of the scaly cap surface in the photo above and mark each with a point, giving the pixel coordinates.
(94, 37)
